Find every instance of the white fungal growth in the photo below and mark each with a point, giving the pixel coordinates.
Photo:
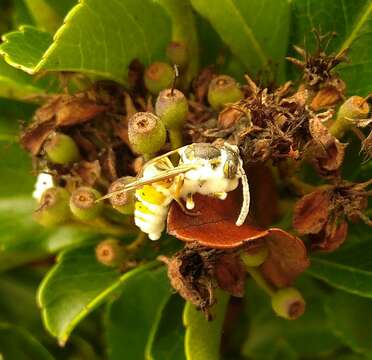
(43, 182)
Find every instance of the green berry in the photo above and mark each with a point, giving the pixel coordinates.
(61, 149)
(288, 303)
(222, 90)
(254, 257)
(353, 108)
(54, 207)
(177, 53)
(83, 203)
(110, 252)
(158, 76)
(122, 202)
(172, 108)
(146, 133)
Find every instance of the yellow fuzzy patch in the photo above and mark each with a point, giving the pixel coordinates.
(143, 209)
(151, 195)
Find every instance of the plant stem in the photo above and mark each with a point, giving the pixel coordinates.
(260, 281)
(137, 243)
(176, 138)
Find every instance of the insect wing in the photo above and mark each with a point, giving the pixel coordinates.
(141, 182)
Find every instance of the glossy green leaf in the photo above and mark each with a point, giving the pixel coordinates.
(23, 240)
(98, 38)
(169, 338)
(132, 319)
(269, 336)
(75, 286)
(351, 318)
(348, 269)
(24, 48)
(256, 31)
(352, 21)
(203, 337)
(17, 343)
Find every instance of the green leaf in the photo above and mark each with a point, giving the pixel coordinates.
(98, 38)
(351, 318)
(203, 337)
(16, 84)
(309, 336)
(75, 286)
(352, 21)
(168, 341)
(23, 49)
(256, 31)
(16, 343)
(23, 240)
(132, 319)
(348, 269)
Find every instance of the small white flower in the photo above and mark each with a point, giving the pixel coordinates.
(43, 182)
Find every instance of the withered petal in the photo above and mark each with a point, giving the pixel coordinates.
(213, 224)
(311, 212)
(287, 258)
(331, 238)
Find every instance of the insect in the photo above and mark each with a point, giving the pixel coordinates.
(203, 168)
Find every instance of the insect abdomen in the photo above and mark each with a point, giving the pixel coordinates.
(151, 211)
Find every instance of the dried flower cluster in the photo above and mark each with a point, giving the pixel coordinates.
(106, 134)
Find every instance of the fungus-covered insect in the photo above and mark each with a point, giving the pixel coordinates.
(203, 168)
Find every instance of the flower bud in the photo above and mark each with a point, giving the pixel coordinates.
(254, 257)
(177, 53)
(172, 108)
(122, 202)
(54, 208)
(288, 303)
(110, 252)
(158, 76)
(222, 90)
(61, 149)
(83, 203)
(146, 133)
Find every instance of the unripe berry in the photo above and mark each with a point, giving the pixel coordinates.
(288, 303)
(222, 90)
(177, 53)
(254, 257)
(122, 202)
(172, 108)
(146, 133)
(83, 203)
(54, 208)
(110, 252)
(61, 149)
(353, 108)
(158, 76)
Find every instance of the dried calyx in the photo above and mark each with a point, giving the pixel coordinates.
(110, 252)
(177, 53)
(53, 207)
(223, 90)
(288, 303)
(84, 205)
(158, 76)
(123, 201)
(146, 133)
